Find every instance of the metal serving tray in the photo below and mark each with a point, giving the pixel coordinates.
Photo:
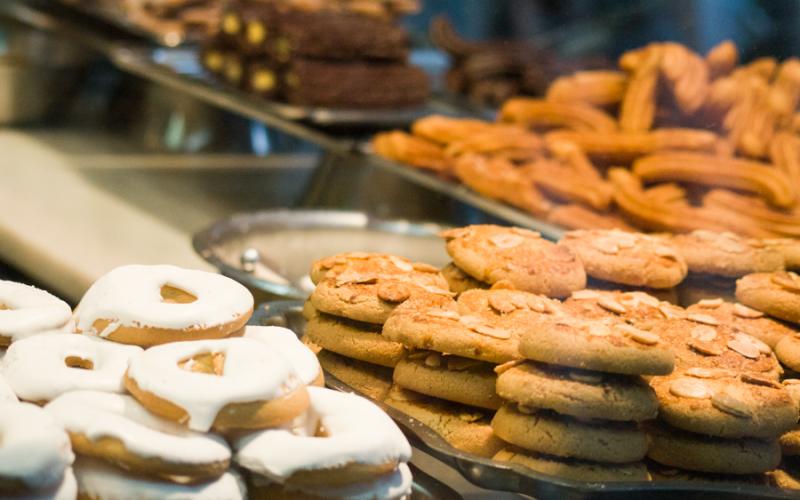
(495, 475)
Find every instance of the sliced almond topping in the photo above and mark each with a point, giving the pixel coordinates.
(761, 346)
(666, 252)
(393, 291)
(433, 359)
(606, 245)
(457, 364)
(787, 281)
(470, 321)
(758, 380)
(436, 290)
(424, 268)
(706, 348)
(327, 262)
(725, 401)
(709, 372)
(503, 285)
(577, 233)
(689, 388)
(641, 336)
(625, 241)
(710, 303)
(526, 232)
(704, 319)
(506, 240)
(746, 349)
(352, 277)
(520, 301)
(443, 313)
(646, 298)
(702, 234)
(585, 377)
(585, 295)
(743, 311)
(611, 305)
(491, 331)
(525, 409)
(671, 312)
(597, 329)
(730, 245)
(502, 303)
(507, 366)
(703, 333)
(457, 232)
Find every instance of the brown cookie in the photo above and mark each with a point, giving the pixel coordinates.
(452, 378)
(743, 319)
(788, 351)
(696, 452)
(459, 281)
(790, 441)
(726, 254)
(578, 393)
(777, 294)
(370, 380)
(493, 253)
(551, 434)
(362, 341)
(576, 470)
(364, 263)
(627, 258)
(789, 248)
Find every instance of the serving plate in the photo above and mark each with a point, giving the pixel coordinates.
(496, 475)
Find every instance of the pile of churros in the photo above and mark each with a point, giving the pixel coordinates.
(672, 141)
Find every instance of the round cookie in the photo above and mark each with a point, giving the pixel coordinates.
(491, 253)
(26, 311)
(545, 432)
(364, 263)
(788, 351)
(575, 470)
(301, 357)
(459, 281)
(696, 452)
(373, 381)
(450, 378)
(777, 294)
(718, 403)
(578, 393)
(743, 319)
(606, 345)
(627, 258)
(362, 341)
(726, 254)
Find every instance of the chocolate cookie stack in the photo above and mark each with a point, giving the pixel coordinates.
(328, 54)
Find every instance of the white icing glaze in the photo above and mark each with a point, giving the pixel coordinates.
(131, 296)
(358, 432)
(67, 489)
(99, 480)
(395, 485)
(102, 414)
(6, 394)
(288, 347)
(252, 372)
(30, 312)
(34, 448)
(35, 367)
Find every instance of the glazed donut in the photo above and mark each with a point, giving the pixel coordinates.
(395, 485)
(118, 429)
(99, 480)
(42, 367)
(235, 383)
(288, 347)
(151, 305)
(360, 442)
(6, 394)
(26, 311)
(34, 450)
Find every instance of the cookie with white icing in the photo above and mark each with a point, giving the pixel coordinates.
(26, 311)
(286, 344)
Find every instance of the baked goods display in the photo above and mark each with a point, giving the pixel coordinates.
(154, 387)
(342, 54)
(673, 141)
(525, 361)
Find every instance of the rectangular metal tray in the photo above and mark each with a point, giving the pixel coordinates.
(495, 475)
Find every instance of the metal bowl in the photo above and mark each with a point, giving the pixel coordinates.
(271, 251)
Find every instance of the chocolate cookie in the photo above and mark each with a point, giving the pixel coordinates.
(627, 258)
(451, 378)
(362, 341)
(546, 432)
(578, 393)
(726, 254)
(743, 319)
(459, 281)
(576, 470)
(493, 253)
(777, 294)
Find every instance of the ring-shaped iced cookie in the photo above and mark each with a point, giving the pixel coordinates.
(26, 311)
(42, 367)
(359, 443)
(236, 383)
(118, 429)
(151, 305)
(35, 451)
(6, 393)
(97, 479)
(288, 346)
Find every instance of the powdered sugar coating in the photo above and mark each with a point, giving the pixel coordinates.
(29, 311)
(288, 347)
(357, 432)
(131, 296)
(35, 367)
(252, 372)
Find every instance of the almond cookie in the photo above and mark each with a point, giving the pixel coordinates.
(632, 307)
(483, 324)
(459, 281)
(696, 452)
(546, 432)
(789, 248)
(743, 319)
(463, 427)
(788, 351)
(493, 253)
(578, 393)
(362, 341)
(373, 381)
(607, 345)
(726, 254)
(720, 403)
(627, 258)
(451, 378)
(576, 470)
(777, 294)
(369, 288)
